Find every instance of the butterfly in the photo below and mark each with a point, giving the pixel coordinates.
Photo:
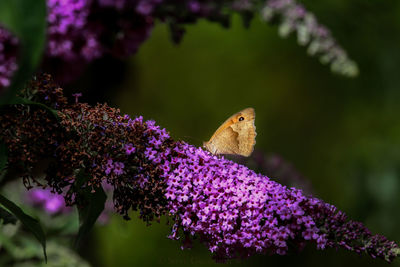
(236, 136)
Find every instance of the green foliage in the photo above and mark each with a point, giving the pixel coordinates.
(20, 100)
(30, 223)
(27, 20)
(7, 217)
(20, 250)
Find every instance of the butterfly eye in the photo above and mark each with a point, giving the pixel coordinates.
(241, 118)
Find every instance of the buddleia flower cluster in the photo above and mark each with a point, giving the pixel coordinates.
(277, 168)
(80, 31)
(234, 211)
(8, 53)
(295, 18)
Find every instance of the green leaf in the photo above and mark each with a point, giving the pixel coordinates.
(21, 100)
(30, 223)
(89, 213)
(27, 20)
(7, 217)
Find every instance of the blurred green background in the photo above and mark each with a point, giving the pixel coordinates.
(342, 134)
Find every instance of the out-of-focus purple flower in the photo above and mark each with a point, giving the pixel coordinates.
(38, 196)
(194, 6)
(78, 32)
(104, 217)
(68, 34)
(145, 7)
(132, 36)
(106, 186)
(53, 203)
(75, 33)
(48, 201)
(8, 57)
(295, 18)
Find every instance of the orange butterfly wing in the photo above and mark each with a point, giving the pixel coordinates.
(235, 136)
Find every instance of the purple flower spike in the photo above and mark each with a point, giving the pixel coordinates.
(237, 212)
(233, 210)
(295, 18)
